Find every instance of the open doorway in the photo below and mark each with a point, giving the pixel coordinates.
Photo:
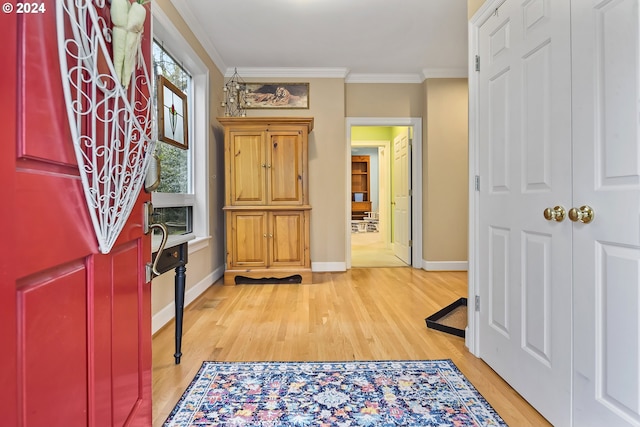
(371, 203)
(382, 215)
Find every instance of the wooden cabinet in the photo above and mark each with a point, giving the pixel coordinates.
(360, 187)
(266, 198)
(267, 239)
(266, 166)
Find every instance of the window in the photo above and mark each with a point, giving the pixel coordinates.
(181, 201)
(176, 171)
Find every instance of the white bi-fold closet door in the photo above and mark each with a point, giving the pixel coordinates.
(555, 221)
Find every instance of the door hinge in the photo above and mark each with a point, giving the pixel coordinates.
(477, 62)
(410, 243)
(410, 192)
(477, 182)
(477, 303)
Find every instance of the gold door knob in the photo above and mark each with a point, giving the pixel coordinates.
(584, 214)
(554, 214)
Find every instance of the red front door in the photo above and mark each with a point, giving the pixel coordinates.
(75, 324)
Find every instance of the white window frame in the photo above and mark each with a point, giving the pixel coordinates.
(171, 40)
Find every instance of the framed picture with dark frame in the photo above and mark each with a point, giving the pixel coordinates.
(172, 114)
(277, 95)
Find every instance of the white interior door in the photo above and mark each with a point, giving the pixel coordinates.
(524, 146)
(384, 193)
(606, 252)
(401, 197)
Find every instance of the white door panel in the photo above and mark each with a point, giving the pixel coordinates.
(524, 151)
(606, 116)
(401, 197)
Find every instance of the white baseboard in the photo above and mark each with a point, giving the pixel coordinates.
(167, 313)
(328, 266)
(426, 265)
(445, 265)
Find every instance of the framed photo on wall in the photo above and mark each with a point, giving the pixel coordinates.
(172, 114)
(277, 95)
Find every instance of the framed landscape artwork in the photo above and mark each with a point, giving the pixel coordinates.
(277, 95)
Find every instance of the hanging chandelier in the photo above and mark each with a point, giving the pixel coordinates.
(235, 96)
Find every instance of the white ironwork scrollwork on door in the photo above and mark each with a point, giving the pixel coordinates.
(113, 127)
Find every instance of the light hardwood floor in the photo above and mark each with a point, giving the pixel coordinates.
(361, 314)
(369, 250)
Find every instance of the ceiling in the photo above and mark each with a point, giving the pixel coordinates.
(360, 40)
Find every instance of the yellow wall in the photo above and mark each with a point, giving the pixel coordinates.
(384, 100)
(445, 171)
(473, 6)
(371, 133)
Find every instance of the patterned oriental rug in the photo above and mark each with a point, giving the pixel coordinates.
(388, 393)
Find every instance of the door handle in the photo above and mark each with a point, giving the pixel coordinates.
(148, 226)
(556, 213)
(163, 229)
(583, 214)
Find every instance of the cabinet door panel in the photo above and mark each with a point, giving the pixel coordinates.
(287, 239)
(285, 168)
(247, 160)
(248, 236)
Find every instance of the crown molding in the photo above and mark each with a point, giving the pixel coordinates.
(339, 73)
(190, 19)
(445, 73)
(383, 78)
(289, 72)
